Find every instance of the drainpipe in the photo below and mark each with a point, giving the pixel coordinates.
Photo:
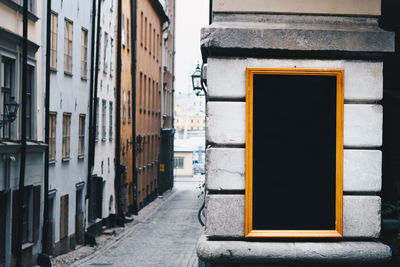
(95, 104)
(23, 132)
(133, 110)
(46, 131)
(117, 182)
(91, 137)
(210, 12)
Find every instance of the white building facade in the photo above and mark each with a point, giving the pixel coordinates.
(104, 157)
(69, 120)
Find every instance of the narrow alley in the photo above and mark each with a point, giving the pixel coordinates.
(167, 237)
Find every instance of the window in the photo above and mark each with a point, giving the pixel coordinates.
(123, 107)
(29, 102)
(129, 106)
(84, 52)
(111, 5)
(52, 136)
(7, 76)
(97, 118)
(81, 141)
(68, 46)
(54, 41)
(123, 30)
(141, 28)
(150, 39)
(154, 43)
(111, 57)
(157, 46)
(27, 214)
(103, 120)
(127, 33)
(145, 32)
(110, 134)
(178, 163)
(105, 52)
(66, 135)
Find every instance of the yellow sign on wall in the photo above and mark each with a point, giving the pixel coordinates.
(162, 167)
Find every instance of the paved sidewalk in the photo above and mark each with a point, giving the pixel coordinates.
(167, 236)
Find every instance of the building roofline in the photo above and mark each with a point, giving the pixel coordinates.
(159, 10)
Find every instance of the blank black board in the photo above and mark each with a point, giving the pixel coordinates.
(294, 152)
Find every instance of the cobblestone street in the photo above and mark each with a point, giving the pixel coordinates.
(167, 237)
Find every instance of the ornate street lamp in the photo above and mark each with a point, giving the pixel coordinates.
(198, 82)
(10, 111)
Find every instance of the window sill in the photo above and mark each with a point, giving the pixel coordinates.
(66, 73)
(110, 139)
(65, 160)
(84, 78)
(103, 139)
(52, 162)
(53, 69)
(80, 157)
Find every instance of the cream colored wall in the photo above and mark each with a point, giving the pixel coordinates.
(187, 163)
(337, 7)
(11, 20)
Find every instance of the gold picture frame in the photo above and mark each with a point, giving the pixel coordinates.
(338, 231)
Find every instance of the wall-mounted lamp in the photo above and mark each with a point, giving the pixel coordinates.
(10, 111)
(198, 81)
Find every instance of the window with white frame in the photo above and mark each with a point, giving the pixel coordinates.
(29, 102)
(110, 123)
(84, 52)
(105, 52)
(97, 119)
(7, 84)
(112, 57)
(68, 32)
(52, 135)
(178, 162)
(103, 120)
(81, 141)
(66, 135)
(54, 40)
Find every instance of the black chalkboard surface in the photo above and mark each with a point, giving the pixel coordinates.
(294, 157)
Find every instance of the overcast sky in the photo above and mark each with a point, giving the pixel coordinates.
(191, 16)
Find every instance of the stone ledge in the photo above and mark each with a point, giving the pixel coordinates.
(310, 36)
(345, 252)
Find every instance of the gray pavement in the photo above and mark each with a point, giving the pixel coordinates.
(167, 237)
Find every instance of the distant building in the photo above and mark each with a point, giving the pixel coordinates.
(189, 156)
(189, 115)
(11, 75)
(167, 38)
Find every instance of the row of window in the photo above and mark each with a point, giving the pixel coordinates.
(68, 47)
(149, 37)
(103, 119)
(66, 135)
(8, 83)
(148, 93)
